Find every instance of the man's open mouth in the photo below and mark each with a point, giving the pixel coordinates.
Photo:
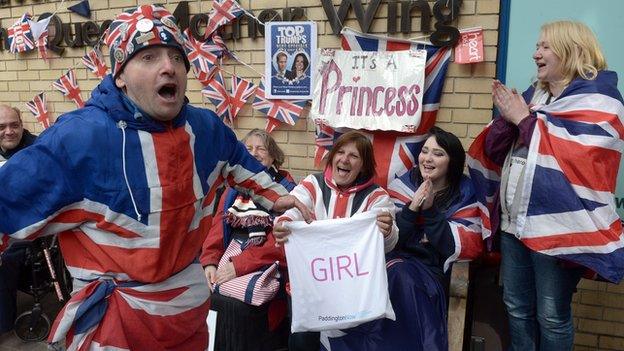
(168, 91)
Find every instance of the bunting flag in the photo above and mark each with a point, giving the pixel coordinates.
(39, 30)
(68, 85)
(42, 45)
(82, 8)
(271, 124)
(202, 56)
(395, 153)
(94, 61)
(222, 13)
(284, 111)
(38, 108)
(217, 94)
(19, 35)
(241, 91)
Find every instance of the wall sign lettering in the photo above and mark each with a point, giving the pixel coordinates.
(80, 34)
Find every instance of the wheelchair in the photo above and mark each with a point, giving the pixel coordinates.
(44, 271)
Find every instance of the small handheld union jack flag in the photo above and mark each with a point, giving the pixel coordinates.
(285, 111)
(68, 85)
(94, 61)
(241, 91)
(38, 108)
(20, 36)
(222, 13)
(217, 94)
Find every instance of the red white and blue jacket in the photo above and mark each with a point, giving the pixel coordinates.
(133, 199)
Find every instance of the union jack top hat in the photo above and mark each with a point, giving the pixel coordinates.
(139, 28)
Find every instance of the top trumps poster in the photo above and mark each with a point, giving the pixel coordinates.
(289, 53)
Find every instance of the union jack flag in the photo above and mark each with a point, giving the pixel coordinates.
(202, 57)
(222, 13)
(94, 61)
(42, 45)
(38, 108)
(68, 85)
(396, 153)
(20, 36)
(285, 111)
(217, 94)
(566, 206)
(241, 91)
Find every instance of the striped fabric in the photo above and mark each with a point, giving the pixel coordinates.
(134, 241)
(319, 193)
(254, 288)
(567, 209)
(463, 217)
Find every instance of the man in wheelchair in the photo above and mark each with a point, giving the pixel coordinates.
(13, 138)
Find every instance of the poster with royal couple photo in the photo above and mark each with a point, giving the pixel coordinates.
(289, 53)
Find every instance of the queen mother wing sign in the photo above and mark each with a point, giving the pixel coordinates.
(369, 90)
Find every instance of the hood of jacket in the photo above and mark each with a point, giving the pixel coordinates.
(106, 96)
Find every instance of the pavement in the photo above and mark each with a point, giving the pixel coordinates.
(50, 304)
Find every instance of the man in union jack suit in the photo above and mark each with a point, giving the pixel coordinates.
(13, 138)
(129, 182)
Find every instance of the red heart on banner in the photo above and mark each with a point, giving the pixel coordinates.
(355, 79)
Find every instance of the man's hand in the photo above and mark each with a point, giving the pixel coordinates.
(226, 273)
(211, 274)
(384, 222)
(281, 233)
(287, 202)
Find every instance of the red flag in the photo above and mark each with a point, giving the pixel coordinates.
(469, 47)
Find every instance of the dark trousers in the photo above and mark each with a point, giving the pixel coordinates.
(306, 341)
(10, 270)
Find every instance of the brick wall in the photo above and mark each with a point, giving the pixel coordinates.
(598, 310)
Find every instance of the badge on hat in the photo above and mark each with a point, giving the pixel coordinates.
(168, 22)
(143, 38)
(145, 25)
(119, 55)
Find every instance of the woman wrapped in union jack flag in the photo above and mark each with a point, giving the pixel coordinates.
(237, 249)
(545, 171)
